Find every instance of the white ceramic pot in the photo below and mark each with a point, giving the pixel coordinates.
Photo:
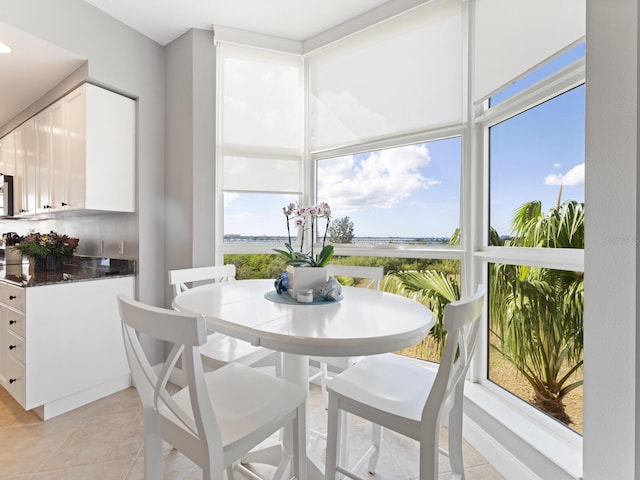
(304, 278)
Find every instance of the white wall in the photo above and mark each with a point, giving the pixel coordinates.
(611, 243)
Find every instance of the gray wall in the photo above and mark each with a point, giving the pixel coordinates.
(190, 150)
(611, 243)
(128, 62)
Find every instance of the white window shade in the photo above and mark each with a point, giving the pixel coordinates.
(255, 174)
(260, 127)
(398, 77)
(513, 36)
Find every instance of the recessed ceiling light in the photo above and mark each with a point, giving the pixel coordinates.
(4, 48)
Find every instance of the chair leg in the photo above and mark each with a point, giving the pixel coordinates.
(429, 451)
(324, 375)
(300, 444)
(376, 440)
(152, 455)
(455, 438)
(333, 434)
(278, 365)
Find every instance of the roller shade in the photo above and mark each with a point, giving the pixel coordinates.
(512, 36)
(261, 110)
(397, 77)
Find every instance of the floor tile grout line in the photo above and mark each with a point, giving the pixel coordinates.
(133, 462)
(74, 430)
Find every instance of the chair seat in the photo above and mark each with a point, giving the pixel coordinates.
(409, 396)
(233, 390)
(389, 383)
(222, 349)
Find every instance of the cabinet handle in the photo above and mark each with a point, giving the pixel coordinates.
(46, 206)
(11, 380)
(64, 204)
(12, 297)
(11, 322)
(11, 347)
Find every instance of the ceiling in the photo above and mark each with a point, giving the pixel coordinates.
(165, 20)
(35, 66)
(31, 70)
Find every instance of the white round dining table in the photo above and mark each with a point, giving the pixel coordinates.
(364, 322)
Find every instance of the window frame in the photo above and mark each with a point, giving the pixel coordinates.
(511, 416)
(504, 412)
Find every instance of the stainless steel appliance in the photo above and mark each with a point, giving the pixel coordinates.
(6, 195)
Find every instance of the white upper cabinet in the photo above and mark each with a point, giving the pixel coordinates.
(100, 150)
(24, 180)
(8, 154)
(77, 154)
(53, 194)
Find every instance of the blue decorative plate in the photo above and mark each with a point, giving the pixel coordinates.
(273, 296)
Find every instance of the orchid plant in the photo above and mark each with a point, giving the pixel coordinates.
(305, 218)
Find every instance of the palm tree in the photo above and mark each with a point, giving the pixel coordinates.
(435, 289)
(537, 313)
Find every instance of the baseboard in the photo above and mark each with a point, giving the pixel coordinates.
(79, 399)
(495, 453)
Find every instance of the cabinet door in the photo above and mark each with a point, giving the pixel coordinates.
(40, 171)
(7, 163)
(110, 155)
(58, 155)
(8, 154)
(23, 186)
(75, 134)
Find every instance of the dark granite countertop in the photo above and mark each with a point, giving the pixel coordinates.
(78, 269)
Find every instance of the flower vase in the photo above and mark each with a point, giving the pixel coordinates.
(46, 263)
(304, 278)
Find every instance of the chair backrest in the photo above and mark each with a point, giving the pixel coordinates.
(462, 322)
(219, 273)
(373, 275)
(194, 433)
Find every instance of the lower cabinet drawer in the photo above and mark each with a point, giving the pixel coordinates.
(15, 347)
(13, 296)
(16, 380)
(15, 322)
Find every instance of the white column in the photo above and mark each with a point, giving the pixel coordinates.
(611, 243)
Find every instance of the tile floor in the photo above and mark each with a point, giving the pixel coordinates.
(103, 441)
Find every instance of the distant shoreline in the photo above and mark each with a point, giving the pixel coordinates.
(231, 238)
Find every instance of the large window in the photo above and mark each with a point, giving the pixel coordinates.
(437, 159)
(537, 156)
(260, 138)
(255, 217)
(536, 199)
(408, 194)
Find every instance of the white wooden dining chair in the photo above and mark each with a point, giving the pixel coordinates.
(408, 396)
(221, 414)
(220, 349)
(370, 277)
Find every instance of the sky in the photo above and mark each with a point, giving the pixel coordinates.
(414, 191)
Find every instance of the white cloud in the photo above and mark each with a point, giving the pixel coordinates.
(229, 197)
(557, 165)
(573, 177)
(380, 180)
